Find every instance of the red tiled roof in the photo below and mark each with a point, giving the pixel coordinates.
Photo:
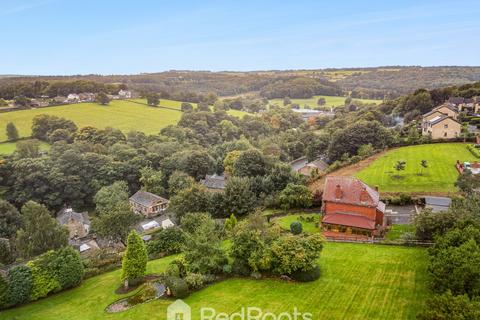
(350, 220)
(351, 192)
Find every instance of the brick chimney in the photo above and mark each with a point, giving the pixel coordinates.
(338, 192)
(364, 196)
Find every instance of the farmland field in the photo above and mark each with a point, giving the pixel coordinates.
(9, 147)
(123, 115)
(440, 175)
(358, 281)
(308, 226)
(331, 101)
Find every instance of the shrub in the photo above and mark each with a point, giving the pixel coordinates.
(240, 268)
(448, 306)
(147, 293)
(296, 227)
(227, 269)
(167, 241)
(43, 278)
(4, 292)
(474, 151)
(195, 280)
(20, 280)
(178, 287)
(172, 270)
(306, 276)
(67, 267)
(256, 275)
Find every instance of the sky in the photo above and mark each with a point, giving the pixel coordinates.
(67, 37)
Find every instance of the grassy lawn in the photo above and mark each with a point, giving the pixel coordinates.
(308, 227)
(358, 281)
(123, 115)
(331, 101)
(9, 147)
(397, 230)
(440, 175)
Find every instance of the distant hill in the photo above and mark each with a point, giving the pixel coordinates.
(373, 83)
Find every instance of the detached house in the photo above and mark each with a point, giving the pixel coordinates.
(78, 224)
(351, 208)
(441, 122)
(148, 204)
(306, 168)
(214, 182)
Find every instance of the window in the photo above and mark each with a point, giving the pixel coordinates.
(445, 126)
(444, 134)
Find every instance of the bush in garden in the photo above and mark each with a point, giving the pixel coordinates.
(167, 241)
(296, 227)
(4, 292)
(227, 269)
(67, 267)
(448, 306)
(20, 279)
(240, 268)
(172, 270)
(195, 280)
(178, 287)
(306, 276)
(43, 277)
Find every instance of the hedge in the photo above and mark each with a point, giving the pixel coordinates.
(50, 272)
(474, 151)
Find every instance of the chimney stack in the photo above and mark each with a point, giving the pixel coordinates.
(364, 197)
(338, 192)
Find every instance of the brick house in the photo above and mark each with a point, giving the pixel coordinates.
(148, 204)
(351, 208)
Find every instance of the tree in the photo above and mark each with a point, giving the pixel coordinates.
(447, 306)
(321, 101)
(153, 99)
(102, 98)
(250, 163)
(28, 148)
(286, 101)
(366, 150)
(230, 160)
(12, 132)
(4, 292)
(423, 165)
(239, 197)
(134, 263)
(43, 125)
(230, 223)
(203, 250)
(399, 166)
(116, 223)
(108, 197)
(295, 253)
(178, 181)
(428, 224)
(10, 220)
(152, 180)
(6, 252)
(203, 106)
(295, 196)
(40, 232)
(193, 199)
(186, 107)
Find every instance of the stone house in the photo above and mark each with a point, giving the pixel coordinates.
(148, 204)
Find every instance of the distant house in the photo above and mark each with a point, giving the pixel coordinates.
(351, 208)
(310, 113)
(441, 122)
(59, 100)
(78, 224)
(214, 182)
(86, 97)
(73, 98)
(469, 105)
(125, 94)
(437, 204)
(306, 168)
(148, 204)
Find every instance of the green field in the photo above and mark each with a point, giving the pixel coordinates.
(358, 281)
(308, 227)
(331, 101)
(440, 175)
(123, 115)
(9, 147)
(397, 230)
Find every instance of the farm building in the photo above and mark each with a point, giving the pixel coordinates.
(351, 208)
(148, 204)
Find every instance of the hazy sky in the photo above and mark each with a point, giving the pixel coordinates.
(124, 37)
